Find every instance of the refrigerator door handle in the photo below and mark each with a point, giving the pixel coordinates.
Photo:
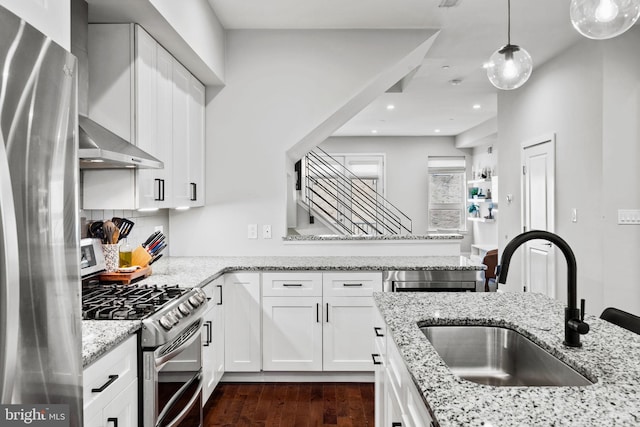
(9, 280)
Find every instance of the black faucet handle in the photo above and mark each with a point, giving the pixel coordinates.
(582, 304)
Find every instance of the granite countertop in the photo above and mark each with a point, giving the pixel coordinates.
(609, 355)
(191, 271)
(388, 237)
(100, 336)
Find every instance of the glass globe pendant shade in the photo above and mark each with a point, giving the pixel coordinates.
(603, 19)
(509, 67)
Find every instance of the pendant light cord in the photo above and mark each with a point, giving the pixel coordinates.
(508, 22)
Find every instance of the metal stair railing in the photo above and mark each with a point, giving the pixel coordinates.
(356, 211)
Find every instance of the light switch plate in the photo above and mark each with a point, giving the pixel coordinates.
(252, 231)
(266, 231)
(629, 216)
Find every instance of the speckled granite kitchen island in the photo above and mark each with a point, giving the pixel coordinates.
(100, 336)
(609, 356)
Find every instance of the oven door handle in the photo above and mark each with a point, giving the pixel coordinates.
(176, 397)
(161, 360)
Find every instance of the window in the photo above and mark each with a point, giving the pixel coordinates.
(446, 194)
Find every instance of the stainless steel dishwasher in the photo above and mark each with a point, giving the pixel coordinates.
(432, 281)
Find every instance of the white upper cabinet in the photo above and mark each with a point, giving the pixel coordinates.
(142, 93)
(196, 142)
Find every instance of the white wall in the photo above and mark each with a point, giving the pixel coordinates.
(51, 17)
(590, 97)
(280, 87)
(621, 171)
(406, 177)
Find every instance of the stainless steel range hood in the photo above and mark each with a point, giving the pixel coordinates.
(99, 147)
(103, 149)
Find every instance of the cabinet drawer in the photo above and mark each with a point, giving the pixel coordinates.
(348, 284)
(111, 374)
(292, 284)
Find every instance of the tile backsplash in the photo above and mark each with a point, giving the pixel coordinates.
(145, 223)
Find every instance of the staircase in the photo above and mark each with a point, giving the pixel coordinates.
(346, 203)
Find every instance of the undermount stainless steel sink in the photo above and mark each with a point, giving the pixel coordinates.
(499, 357)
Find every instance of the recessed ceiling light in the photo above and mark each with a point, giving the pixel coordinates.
(477, 106)
(390, 107)
(374, 131)
(446, 67)
(436, 130)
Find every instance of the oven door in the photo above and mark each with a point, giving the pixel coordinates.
(172, 387)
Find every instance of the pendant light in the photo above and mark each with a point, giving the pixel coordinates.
(510, 66)
(603, 19)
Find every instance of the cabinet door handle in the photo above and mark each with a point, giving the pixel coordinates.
(352, 284)
(158, 186)
(327, 312)
(114, 421)
(292, 285)
(220, 286)
(207, 324)
(112, 378)
(377, 331)
(376, 362)
(396, 424)
(194, 193)
(317, 312)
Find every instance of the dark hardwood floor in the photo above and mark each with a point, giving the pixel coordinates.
(290, 405)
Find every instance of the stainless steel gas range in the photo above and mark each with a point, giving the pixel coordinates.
(170, 345)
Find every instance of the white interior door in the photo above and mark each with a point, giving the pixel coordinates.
(538, 181)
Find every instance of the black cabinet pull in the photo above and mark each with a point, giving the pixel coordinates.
(396, 424)
(208, 325)
(377, 331)
(317, 312)
(352, 284)
(194, 193)
(292, 285)
(220, 286)
(375, 362)
(114, 421)
(327, 312)
(112, 378)
(159, 188)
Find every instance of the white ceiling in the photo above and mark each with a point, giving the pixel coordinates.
(471, 32)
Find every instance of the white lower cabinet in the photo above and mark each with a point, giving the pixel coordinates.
(398, 401)
(318, 321)
(242, 322)
(347, 343)
(110, 388)
(292, 334)
(213, 339)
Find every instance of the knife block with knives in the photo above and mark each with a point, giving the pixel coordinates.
(154, 245)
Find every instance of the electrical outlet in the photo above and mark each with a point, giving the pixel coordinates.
(158, 228)
(266, 231)
(629, 216)
(252, 231)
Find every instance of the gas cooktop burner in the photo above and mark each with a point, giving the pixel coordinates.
(126, 302)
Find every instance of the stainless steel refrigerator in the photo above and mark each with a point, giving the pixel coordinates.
(40, 319)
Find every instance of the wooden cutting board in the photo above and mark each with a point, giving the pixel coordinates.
(126, 278)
